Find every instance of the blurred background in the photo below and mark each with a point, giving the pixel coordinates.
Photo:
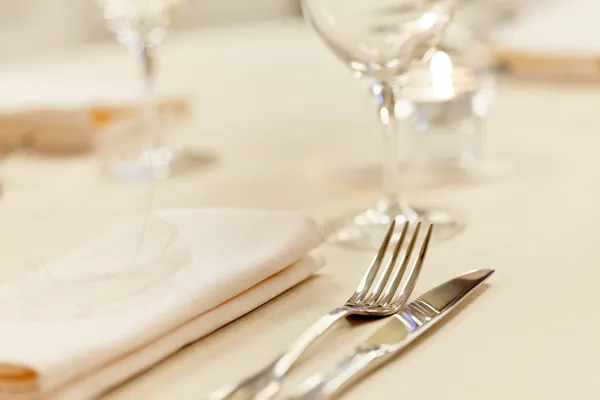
(60, 103)
(32, 25)
(41, 25)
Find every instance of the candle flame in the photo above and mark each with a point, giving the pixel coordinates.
(441, 70)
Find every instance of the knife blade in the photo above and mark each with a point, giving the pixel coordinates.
(395, 335)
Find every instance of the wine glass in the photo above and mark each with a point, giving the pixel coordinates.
(141, 26)
(378, 40)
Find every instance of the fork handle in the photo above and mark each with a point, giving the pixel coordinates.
(265, 384)
(327, 385)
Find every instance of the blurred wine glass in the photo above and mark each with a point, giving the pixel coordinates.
(141, 26)
(378, 40)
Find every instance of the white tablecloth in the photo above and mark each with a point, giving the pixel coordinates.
(293, 129)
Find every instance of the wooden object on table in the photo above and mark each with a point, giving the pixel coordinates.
(550, 66)
(556, 41)
(70, 129)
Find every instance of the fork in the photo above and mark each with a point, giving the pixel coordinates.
(377, 299)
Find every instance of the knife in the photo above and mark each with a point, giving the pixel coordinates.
(389, 340)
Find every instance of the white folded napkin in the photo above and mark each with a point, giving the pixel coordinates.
(76, 327)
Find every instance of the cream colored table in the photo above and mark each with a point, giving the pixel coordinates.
(293, 129)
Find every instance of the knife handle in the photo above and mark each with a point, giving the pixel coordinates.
(326, 385)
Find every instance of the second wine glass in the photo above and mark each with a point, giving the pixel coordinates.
(141, 26)
(378, 40)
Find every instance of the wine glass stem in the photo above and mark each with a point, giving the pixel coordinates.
(148, 114)
(391, 203)
(148, 109)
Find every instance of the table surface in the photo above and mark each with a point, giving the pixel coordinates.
(292, 128)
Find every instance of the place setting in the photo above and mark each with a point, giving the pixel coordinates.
(78, 326)
(398, 274)
(382, 292)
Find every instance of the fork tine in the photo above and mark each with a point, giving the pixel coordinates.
(408, 287)
(369, 277)
(388, 269)
(393, 286)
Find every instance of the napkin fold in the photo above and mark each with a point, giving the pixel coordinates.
(76, 327)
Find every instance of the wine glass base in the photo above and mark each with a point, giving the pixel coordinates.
(366, 229)
(159, 163)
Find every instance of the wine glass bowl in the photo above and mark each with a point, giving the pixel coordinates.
(377, 38)
(134, 21)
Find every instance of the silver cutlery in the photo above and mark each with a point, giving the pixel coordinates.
(380, 293)
(389, 340)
